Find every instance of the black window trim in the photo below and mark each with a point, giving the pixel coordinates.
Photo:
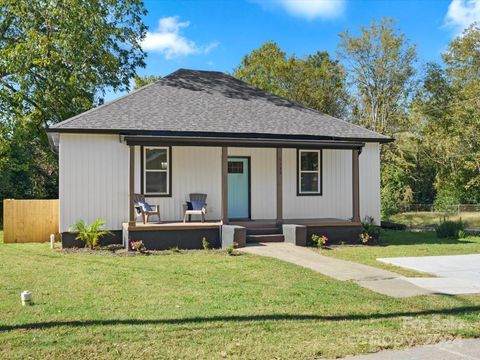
(142, 171)
(320, 192)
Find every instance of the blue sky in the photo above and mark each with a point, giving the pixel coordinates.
(215, 35)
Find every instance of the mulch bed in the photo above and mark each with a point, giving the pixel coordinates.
(119, 250)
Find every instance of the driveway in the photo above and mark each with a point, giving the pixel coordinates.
(456, 274)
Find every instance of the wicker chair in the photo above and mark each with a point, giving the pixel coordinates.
(201, 208)
(144, 208)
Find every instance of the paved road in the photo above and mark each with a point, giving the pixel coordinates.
(375, 279)
(460, 349)
(457, 274)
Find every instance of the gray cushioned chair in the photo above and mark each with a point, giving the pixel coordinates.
(144, 208)
(196, 206)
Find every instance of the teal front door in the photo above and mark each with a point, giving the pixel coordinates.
(238, 188)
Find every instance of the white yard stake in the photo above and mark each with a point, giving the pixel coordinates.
(52, 241)
(26, 297)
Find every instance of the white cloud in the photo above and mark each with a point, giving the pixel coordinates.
(462, 13)
(168, 41)
(308, 9)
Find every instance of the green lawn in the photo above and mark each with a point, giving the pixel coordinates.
(405, 243)
(207, 305)
(427, 218)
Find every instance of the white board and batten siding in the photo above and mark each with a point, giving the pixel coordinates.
(369, 166)
(194, 170)
(336, 198)
(94, 173)
(93, 180)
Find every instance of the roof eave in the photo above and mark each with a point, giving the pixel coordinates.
(127, 132)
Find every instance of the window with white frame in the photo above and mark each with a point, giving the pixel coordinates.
(309, 172)
(156, 171)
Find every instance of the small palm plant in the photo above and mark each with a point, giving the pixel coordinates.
(90, 234)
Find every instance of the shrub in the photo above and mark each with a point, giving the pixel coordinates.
(205, 244)
(450, 229)
(230, 250)
(319, 241)
(369, 227)
(370, 231)
(90, 235)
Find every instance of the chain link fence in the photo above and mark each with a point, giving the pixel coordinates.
(453, 209)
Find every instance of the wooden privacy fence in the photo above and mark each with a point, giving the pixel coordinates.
(29, 220)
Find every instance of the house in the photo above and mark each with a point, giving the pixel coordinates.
(272, 169)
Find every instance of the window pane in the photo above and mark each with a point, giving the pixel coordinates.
(309, 160)
(156, 159)
(309, 182)
(156, 182)
(235, 167)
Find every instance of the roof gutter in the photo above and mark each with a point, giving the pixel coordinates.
(239, 142)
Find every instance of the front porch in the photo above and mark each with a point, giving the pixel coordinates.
(190, 235)
(321, 196)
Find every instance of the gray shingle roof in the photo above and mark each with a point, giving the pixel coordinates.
(211, 102)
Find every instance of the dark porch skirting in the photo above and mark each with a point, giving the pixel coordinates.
(181, 238)
(69, 241)
(336, 234)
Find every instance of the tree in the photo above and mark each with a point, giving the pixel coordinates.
(319, 82)
(265, 68)
(381, 69)
(141, 81)
(448, 106)
(315, 81)
(380, 62)
(57, 58)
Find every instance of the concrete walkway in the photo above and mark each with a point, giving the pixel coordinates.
(464, 349)
(457, 274)
(375, 279)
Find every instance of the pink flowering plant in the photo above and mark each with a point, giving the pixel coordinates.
(320, 241)
(138, 246)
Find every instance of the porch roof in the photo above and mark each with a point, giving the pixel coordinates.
(211, 104)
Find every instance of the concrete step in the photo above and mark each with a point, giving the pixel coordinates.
(264, 231)
(254, 224)
(265, 238)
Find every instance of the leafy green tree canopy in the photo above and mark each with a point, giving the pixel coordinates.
(145, 80)
(315, 81)
(57, 55)
(380, 61)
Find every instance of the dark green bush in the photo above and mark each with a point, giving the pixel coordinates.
(450, 229)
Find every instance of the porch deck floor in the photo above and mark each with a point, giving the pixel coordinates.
(174, 225)
(306, 222)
